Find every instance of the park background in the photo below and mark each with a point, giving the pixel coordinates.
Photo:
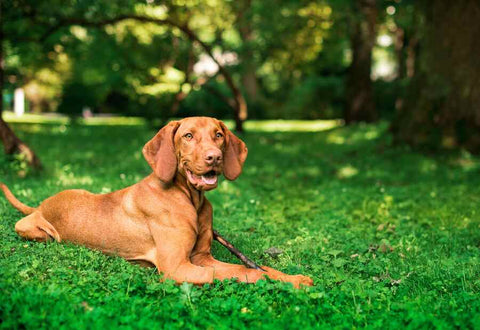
(362, 119)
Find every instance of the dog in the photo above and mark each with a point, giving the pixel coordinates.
(164, 220)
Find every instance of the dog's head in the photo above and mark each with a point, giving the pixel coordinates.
(199, 148)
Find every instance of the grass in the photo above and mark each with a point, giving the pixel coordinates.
(278, 125)
(390, 236)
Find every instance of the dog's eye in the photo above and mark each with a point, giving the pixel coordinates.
(188, 136)
(219, 135)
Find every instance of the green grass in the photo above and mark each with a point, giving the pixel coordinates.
(390, 236)
(278, 125)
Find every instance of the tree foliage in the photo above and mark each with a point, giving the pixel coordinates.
(361, 60)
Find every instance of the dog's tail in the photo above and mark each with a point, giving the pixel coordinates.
(15, 202)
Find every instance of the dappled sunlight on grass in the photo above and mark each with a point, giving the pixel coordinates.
(428, 165)
(362, 132)
(250, 125)
(466, 162)
(228, 187)
(335, 138)
(55, 118)
(292, 125)
(358, 215)
(346, 172)
(115, 121)
(67, 178)
(30, 118)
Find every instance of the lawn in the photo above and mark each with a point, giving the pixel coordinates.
(390, 236)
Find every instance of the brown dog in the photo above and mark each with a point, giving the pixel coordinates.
(165, 219)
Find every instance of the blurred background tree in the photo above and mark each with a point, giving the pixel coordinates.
(410, 62)
(443, 97)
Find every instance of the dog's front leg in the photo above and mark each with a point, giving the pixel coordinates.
(201, 256)
(173, 248)
(244, 274)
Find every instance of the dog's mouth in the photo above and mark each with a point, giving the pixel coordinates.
(209, 178)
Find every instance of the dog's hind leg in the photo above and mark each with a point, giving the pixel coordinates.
(35, 227)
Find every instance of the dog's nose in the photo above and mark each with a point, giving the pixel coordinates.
(213, 156)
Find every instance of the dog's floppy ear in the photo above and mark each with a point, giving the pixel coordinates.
(234, 155)
(160, 152)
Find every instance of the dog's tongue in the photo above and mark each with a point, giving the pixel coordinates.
(210, 179)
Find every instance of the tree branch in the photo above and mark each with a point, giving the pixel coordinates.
(247, 262)
(240, 106)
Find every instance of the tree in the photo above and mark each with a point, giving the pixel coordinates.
(11, 143)
(244, 24)
(360, 105)
(239, 103)
(46, 24)
(442, 106)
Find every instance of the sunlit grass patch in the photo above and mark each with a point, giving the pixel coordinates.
(251, 125)
(292, 125)
(30, 118)
(346, 172)
(55, 118)
(362, 132)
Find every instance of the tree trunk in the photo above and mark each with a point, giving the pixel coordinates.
(11, 143)
(399, 44)
(401, 65)
(249, 74)
(410, 62)
(249, 80)
(360, 105)
(443, 104)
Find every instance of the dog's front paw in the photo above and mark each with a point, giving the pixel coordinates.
(299, 280)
